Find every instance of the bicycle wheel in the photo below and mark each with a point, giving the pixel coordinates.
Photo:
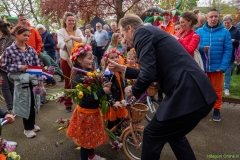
(149, 114)
(129, 147)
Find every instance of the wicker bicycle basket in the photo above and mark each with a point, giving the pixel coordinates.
(152, 90)
(138, 112)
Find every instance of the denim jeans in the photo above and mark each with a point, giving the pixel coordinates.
(228, 75)
(99, 53)
(7, 90)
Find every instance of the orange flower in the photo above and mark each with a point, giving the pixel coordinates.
(2, 157)
(77, 46)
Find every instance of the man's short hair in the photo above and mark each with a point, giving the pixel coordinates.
(88, 25)
(106, 26)
(99, 23)
(21, 15)
(213, 9)
(227, 17)
(131, 19)
(41, 26)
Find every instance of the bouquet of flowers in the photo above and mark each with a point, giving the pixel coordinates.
(6, 151)
(92, 82)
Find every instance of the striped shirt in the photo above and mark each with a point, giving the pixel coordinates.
(13, 57)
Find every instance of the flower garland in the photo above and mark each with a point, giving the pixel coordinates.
(78, 49)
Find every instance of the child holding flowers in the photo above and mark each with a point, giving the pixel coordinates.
(117, 110)
(86, 126)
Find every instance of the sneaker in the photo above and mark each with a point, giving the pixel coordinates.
(97, 157)
(226, 92)
(36, 128)
(68, 110)
(216, 115)
(29, 133)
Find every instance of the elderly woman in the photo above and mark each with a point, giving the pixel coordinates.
(67, 36)
(235, 34)
(6, 39)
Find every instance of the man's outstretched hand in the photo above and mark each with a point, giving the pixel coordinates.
(115, 67)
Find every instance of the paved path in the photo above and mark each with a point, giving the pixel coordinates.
(222, 138)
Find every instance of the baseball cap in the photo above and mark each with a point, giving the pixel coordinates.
(165, 12)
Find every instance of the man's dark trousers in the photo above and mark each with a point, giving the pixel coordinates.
(172, 131)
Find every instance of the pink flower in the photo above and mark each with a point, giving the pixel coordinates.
(37, 90)
(51, 69)
(61, 99)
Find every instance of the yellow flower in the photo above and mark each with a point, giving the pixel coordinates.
(90, 74)
(80, 94)
(89, 88)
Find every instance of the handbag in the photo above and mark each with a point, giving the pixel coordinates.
(198, 58)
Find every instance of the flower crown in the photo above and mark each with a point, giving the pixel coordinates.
(114, 50)
(78, 49)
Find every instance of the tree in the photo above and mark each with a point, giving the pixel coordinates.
(86, 9)
(189, 4)
(15, 7)
(221, 6)
(169, 4)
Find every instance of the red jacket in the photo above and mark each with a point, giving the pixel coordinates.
(190, 41)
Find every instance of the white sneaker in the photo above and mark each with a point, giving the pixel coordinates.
(29, 133)
(226, 92)
(97, 157)
(36, 128)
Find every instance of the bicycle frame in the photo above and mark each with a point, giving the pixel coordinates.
(131, 127)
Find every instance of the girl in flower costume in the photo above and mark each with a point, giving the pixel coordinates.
(131, 62)
(117, 110)
(86, 126)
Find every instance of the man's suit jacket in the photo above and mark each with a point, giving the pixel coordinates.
(163, 59)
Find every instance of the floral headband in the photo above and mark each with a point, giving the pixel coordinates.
(78, 49)
(114, 50)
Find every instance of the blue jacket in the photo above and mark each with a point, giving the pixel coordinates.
(220, 47)
(49, 44)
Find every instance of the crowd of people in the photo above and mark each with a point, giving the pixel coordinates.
(187, 58)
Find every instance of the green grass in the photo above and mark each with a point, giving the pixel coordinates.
(234, 86)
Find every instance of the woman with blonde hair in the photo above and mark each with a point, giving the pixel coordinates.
(116, 42)
(67, 36)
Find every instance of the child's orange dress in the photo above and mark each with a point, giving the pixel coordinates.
(86, 128)
(112, 115)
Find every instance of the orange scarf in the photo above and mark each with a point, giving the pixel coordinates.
(137, 66)
(118, 77)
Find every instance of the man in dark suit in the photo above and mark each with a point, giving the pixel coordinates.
(189, 95)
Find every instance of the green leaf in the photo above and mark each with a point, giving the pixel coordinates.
(95, 95)
(104, 107)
